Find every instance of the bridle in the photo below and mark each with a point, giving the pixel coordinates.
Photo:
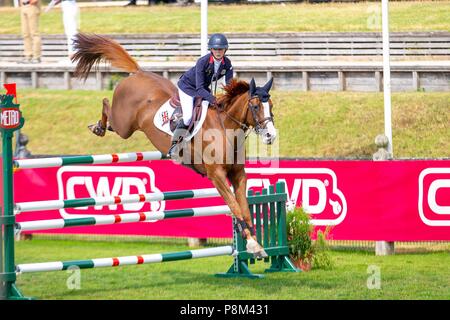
(259, 125)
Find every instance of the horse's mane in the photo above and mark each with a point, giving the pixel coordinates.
(234, 89)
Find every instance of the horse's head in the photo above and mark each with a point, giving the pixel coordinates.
(260, 107)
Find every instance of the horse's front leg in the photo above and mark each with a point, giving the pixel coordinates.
(238, 179)
(218, 177)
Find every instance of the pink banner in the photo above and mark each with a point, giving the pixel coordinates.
(361, 200)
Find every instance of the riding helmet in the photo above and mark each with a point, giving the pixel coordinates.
(218, 41)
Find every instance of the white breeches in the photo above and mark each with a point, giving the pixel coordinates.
(187, 105)
(70, 21)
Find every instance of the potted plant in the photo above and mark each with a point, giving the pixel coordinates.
(305, 253)
(299, 231)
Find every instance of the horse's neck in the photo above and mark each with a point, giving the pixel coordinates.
(238, 110)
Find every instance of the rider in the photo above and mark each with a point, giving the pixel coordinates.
(196, 82)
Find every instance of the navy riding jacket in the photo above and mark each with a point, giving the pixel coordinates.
(196, 81)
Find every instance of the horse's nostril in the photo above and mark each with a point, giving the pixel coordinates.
(268, 135)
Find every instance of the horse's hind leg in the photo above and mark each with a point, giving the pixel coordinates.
(99, 128)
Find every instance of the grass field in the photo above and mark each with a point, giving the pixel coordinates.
(361, 16)
(310, 124)
(403, 276)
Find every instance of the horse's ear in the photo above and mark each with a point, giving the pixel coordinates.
(268, 85)
(252, 86)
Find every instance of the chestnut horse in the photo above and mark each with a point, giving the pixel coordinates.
(137, 98)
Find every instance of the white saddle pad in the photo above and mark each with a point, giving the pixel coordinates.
(164, 113)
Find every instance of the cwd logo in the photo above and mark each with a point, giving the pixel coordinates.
(315, 189)
(9, 118)
(434, 196)
(76, 182)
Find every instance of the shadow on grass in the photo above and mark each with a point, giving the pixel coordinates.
(183, 285)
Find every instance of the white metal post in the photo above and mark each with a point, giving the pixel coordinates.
(383, 248)
(386, 74)
(204, 27)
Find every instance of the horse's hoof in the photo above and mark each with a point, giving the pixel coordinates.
(260, 254)
(254, 248)
(176, 153)
(175, 157)
(97, 129)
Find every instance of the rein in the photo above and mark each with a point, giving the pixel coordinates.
(241, 125)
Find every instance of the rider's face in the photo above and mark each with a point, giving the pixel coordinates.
(218, 53)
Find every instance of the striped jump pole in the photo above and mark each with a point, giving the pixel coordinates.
(89, 159)
(122, 261)
(121, 218)
(112, 200)
(11, 120)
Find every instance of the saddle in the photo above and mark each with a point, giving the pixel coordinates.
(178, 112)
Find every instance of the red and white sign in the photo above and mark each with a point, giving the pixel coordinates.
(314, 189)
(434, 196)
(360, 200)
(75, 182)
(9, 118)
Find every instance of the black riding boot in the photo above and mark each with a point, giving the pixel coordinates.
(178, 135)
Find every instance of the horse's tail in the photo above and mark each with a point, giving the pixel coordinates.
(91, 49)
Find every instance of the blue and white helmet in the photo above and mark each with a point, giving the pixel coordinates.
(218, 41)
